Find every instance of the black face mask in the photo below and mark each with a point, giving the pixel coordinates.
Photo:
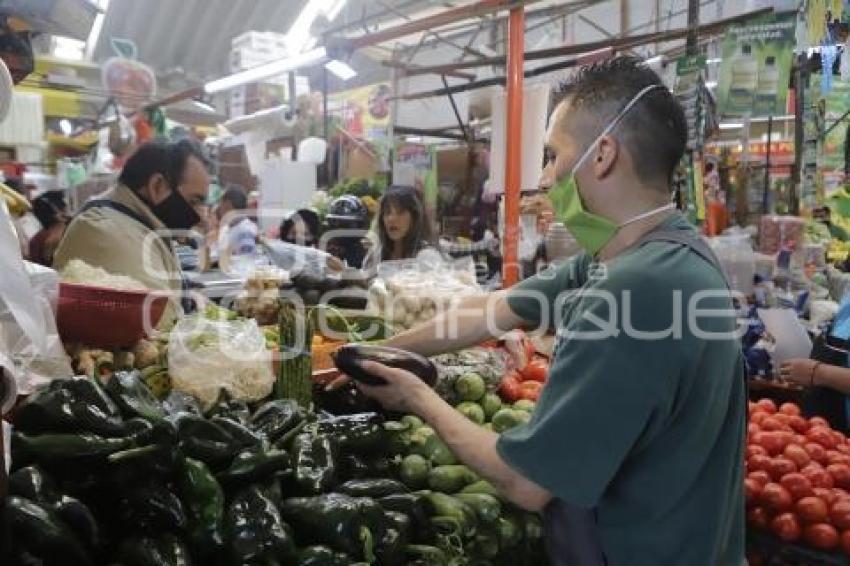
(175, 212)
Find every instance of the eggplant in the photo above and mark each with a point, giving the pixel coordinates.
(349, 357)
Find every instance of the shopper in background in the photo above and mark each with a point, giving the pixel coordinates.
(302, 227)
(160, 195)
(635, 450)
(824, 216)
(405, 230)
(348, 222)
(52, 211)
(237, 232)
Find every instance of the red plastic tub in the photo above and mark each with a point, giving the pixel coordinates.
(106, 318)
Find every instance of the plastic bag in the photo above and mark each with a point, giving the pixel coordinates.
(206, 356)
(28, 334)
(297, 260)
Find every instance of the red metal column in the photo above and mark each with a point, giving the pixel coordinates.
(513, 145)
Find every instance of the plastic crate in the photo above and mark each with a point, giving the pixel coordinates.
(107, 318)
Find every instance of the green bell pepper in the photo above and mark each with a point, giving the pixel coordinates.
(250, 466)
(69, 405)
(255, 532)
(353, 525)
(133, 397)
(40, 532)
(276, 418)
(320, 555)
(314, 461)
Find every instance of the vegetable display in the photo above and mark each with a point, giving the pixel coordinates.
(110, 474)
(797, 477)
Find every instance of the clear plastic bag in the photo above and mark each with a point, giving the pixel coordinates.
(28, 336)
(206, 356)
(297, 260)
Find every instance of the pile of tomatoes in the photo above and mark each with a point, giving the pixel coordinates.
(527, 382)
(797, 477)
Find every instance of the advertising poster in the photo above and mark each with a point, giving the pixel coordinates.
(756, 67)
(365, 111)
(415, 165)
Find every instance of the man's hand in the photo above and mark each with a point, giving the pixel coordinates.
(799, 371)
(403, 391)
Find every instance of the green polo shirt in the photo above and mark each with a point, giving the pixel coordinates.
(646, 429)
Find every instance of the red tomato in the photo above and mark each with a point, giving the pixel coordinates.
(766, 405)
(836, 457)
(509, 389)
(798, 423)
(840, 473)
(840, 493)
(799, 439)
(839, 514)
(818, 421)
(771, 423)
(812, 510)
(528, 347)
(763, 477)
(536, 370)
(775, 497)
(770, 441)
(797, 484)
(797, 454)
(838, 437)
(759, 462)
(780, 466)
(758, 517)
(845, 542)
(819, 478)
(822, 436)
(758, 416)
(752, 491)
(821, 536)
(843, 448)
(786, 526)
(827, 494)
(789, 409)
(816, 451)
(750, 406)
(530, 390)
(754, 449)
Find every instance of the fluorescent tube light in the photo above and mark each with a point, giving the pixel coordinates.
(731, 125)
(265, 71)
(205, 106)
(341, 69)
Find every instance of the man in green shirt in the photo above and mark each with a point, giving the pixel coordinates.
(635, 449)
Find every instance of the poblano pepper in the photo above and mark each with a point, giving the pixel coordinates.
(242, 436)
(356, 467)
(80, 519)
(134, 465)
(69, 405)
(360, 433)
(32, 483)
(320, 555)
(151, 508)
(276, 418)
(55, 448)
(166, 550)
(374, 488)
(133, 397)
(203, 500)
(353, 525)
(255, 532)
(412, 505)
(314, 463)
(390, 549)
(250, 466)
(425, 555)
(204, 440)
(39, 531)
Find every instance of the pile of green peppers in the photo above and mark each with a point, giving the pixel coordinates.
(108, 474)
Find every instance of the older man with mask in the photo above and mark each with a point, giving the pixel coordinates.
(635, 450)
(160, 194)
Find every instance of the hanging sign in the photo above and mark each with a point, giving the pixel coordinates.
(756, 67)
(366, 111)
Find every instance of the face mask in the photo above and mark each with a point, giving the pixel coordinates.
(590, 230)
(175, 212)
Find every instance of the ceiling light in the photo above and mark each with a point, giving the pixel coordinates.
(710, 84)
(68, 48)
(731, 125)
(65, 127)
(657, 60)
(204, 105)
(96, 28)
(341, 69)
(713, 61)
(266, 71)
